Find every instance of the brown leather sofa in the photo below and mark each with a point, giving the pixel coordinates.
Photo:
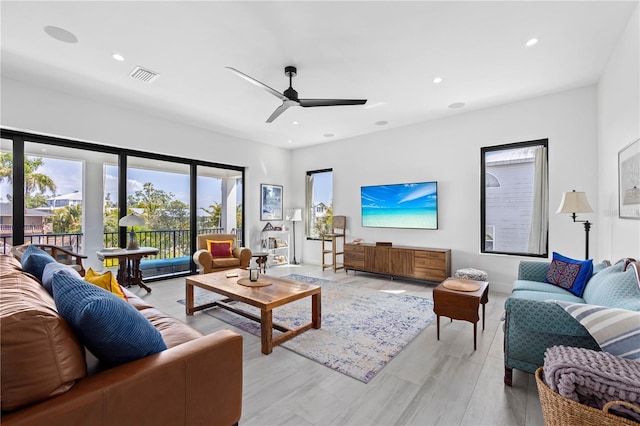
(241, 256)
(48, 378)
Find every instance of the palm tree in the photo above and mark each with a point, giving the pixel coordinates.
(34, 183)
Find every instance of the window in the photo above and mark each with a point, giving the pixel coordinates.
(319, 210)
(514, 199)
(78, 191)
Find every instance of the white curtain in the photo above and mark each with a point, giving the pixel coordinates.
(540, 215)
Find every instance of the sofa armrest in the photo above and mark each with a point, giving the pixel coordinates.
(202, 259)
(197, 382)
(533, 271)
(245, 257)
(543, 317)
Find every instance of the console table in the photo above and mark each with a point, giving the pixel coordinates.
(430, 264)
(128, 264)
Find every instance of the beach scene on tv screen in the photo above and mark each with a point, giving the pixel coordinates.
(409, 205)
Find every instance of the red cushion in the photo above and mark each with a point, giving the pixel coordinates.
(219, 248)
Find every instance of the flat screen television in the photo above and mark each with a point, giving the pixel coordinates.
(403, 205)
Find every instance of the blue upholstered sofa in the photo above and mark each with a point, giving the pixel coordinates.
(533, 323)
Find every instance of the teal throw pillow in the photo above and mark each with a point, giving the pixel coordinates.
(113, 330)
(56, 268)
(569, 274)
(34, 259)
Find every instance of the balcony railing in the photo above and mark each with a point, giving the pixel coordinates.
(171, 243)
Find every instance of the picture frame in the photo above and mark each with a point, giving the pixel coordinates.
(270, 202)
(629, 181)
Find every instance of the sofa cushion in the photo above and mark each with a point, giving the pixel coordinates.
(549, 289)
(113, 330)
(54, 268)
(220, 248)
(569, 274)
(543, 296)
(174, 332)
(40, 357)
(105, 281)
(34, 259)
(225, 262)
(614, 288)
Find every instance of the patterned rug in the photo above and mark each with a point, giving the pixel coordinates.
(362, 329)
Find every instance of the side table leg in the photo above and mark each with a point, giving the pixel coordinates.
(438, 326)
(475, 335)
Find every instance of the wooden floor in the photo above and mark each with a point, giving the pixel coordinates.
(430, 382)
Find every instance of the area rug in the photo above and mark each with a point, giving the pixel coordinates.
(362, 329)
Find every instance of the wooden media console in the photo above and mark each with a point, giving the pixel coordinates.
(430, 264)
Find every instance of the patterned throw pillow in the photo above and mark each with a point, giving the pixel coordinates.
(617, 331)
(570, 274)
(220, 248)
(105, 281)
(34, 259)
(112, 329)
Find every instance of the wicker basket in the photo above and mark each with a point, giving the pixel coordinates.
(561, 411)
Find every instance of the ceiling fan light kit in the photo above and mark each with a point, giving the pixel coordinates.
(290, 97)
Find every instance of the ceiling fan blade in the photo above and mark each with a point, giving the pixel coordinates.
(259, 84)
(331, 102)
(282, 108)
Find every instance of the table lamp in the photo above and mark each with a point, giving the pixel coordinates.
(576, 202)
(294, 215)
(131, 220)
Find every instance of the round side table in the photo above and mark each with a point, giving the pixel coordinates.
(261, 260)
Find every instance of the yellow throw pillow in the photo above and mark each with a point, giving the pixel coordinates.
(105, 281)
(220, 248)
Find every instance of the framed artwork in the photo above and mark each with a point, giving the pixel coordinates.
(270, 202)
(629, 181)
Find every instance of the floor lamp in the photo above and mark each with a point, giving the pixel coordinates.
(295, 215)
(576, 202)
(132, 220)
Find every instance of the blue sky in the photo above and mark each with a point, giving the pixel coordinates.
(411, 195)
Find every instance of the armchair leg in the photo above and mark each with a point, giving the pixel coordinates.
(508, 376)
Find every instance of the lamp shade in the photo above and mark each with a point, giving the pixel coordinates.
(295, 215)
(574, 202)
(131, 220)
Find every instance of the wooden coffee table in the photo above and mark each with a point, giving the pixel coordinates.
(460, 305)
(279, 293)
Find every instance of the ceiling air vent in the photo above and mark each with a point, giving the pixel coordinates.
(144, 74)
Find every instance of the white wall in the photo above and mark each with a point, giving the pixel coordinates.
(39, 110)
(448, 151)
(619, 125)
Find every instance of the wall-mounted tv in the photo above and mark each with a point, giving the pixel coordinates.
(404, 205)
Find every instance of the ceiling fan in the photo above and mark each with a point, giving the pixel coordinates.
(290, 97)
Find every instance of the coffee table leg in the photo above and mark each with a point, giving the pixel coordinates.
(266, 331)
(316, 311)
(189, 306)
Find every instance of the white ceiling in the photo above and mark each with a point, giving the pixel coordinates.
(388, 52)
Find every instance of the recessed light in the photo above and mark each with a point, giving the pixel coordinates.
(328, 135)
(437, 80)
(456, 105)
(290, 141)
(381, 123)
(295, 123)
(118, 57)
(61, 34)
(532, 42)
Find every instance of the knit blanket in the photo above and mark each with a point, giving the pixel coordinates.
(593, 378)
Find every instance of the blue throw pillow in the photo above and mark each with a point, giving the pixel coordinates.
(34, 259)
(113, 330)
(56, 268)
(570, 274)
